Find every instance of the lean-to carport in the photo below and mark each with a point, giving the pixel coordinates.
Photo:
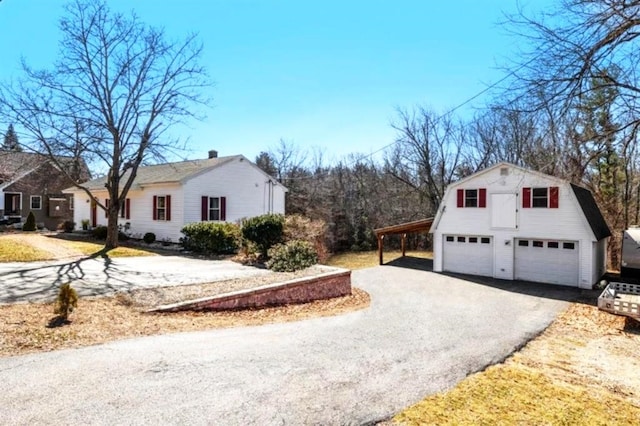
(402, 229)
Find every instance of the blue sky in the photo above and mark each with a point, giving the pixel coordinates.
(325, 74)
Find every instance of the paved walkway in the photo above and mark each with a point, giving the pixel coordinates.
(423, 333)
(40, 281)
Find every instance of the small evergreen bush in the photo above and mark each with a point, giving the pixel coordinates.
(30, 224)
(99, 232)
(292, 256)
(264, 231)
(149, 238)
(211, 237)
(68, 226)
(66, 302)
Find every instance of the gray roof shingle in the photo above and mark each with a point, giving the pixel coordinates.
(167, 172)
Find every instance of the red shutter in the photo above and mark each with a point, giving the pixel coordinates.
(526, 198)
(167, 205)
(482, 197)
(553, 197)
(204, 208)
(106, 204)
(155, 203)
(460, 197)
(223, 208)
(127, 209)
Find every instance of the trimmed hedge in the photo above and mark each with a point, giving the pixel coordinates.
(292, 256)
(211, 237)
(264, 231)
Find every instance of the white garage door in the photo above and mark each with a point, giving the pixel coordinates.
(468, 254)
(554, 262)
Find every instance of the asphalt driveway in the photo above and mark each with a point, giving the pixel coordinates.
(423, 333)
(40, 281)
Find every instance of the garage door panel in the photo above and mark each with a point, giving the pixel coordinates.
(468, 255)
(554, 262)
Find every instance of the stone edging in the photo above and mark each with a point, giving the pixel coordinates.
(299, 290)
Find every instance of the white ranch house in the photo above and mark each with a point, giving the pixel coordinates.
(511, 223)
(165, 197)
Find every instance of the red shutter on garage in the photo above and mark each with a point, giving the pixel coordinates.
(168, 206)
(155, 203)
(482, 197)
(553, 197)
(106, 205)
(204, 208)
(127, 208)
(460, 197)
(223, 208)
(526, 198)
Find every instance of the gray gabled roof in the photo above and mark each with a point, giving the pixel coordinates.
(15, 165)
(167, 172)
(591, 212)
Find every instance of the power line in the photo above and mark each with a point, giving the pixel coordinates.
(438, 118)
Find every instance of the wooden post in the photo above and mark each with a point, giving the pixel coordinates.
(380, 248)
(404, 239)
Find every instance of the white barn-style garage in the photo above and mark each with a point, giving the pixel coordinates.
(511, 223)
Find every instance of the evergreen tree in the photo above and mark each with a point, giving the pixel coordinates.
(11, 140)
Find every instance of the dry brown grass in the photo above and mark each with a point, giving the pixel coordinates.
(369, 259)
(17, 249)
(98, 320)
(88, 248)
(582, 370)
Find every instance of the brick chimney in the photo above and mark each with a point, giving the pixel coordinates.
(213, 154)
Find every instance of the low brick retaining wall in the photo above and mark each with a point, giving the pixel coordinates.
(300, 290)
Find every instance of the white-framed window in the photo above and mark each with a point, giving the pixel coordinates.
(161, 207)
(36, 202)
(214, 208)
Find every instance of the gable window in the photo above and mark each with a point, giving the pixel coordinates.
(546, 197)
(36, 202)
(213, 208)
(162, 207)
(472, 197)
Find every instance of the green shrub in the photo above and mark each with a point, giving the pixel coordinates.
(292, 256)
(30, 224)
(68, 226)
(264, 231)
(149, 238)
(99, 232)
(314, 231)
(211, 237)
(66, 302)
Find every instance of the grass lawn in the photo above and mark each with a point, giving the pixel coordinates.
(90, 248)
(368, 259)
(518, 395)
(12, 250)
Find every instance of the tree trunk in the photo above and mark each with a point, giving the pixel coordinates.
(112, 227)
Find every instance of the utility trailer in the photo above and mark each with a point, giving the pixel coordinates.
(621, 299)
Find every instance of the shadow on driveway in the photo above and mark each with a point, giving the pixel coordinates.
(548, 291)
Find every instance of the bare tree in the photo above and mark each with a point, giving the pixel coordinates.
(116, 88)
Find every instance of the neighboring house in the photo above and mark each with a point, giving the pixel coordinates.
(512, 223)
(31, 182)
(165, 197)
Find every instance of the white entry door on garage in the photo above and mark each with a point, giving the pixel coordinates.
(553, 262)
(468, 254)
